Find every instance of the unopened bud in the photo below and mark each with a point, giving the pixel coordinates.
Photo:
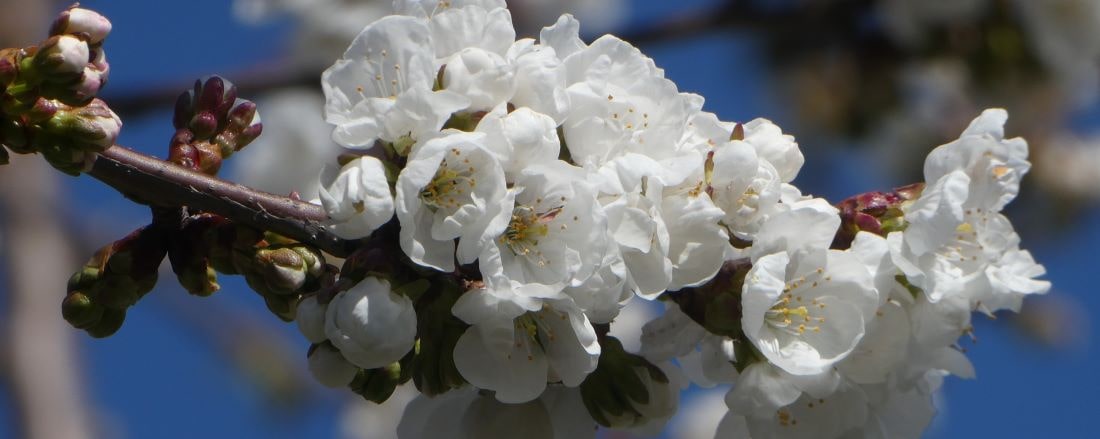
(199, 280)
(371, 324)
(285, 269)
(42, 110)
(78, 93)
(243, 126)
(61, 58)
(203, 125)
(310, 318)
(875, 212)
(377, 385)
(9, 66)
(329, 367)
(82, 21)
(80, 310)
(62, 156)
(108, 324)
(93, 127)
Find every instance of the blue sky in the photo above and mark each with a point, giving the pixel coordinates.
(158, 378)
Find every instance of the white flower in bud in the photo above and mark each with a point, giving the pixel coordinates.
(358, 199)
(83, 20)
(310, 318)
(63, 55)
(485, 78)
(92, 125)
(329, 367)
(370, 324)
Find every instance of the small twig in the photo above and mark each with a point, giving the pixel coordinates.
(151, 181)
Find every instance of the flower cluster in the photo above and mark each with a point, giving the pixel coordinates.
(553, 180)
(48, 101)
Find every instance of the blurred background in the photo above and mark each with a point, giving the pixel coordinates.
(867, 87)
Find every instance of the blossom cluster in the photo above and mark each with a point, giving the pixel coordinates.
(561, 179)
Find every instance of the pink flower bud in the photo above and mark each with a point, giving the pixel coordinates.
(62, 55)
(80, 20)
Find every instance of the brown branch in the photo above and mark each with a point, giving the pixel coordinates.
(151, 181)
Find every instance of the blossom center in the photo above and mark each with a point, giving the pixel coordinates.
(451, 186)
(526, 228)
(793, 313)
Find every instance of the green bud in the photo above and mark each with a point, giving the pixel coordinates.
(284, 268)
(108, 324)
(199, 280)
(93, 127)
(80, 311)
(376, 385)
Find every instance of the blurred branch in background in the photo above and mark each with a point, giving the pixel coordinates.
(43, 365)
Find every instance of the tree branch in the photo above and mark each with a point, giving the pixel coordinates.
(151, 181)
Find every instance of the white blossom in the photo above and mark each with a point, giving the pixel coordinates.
(957, 242)
(358, 200)
(805, 307)
(517, 357)
(371, 325)
(452, 187)
(382, 87)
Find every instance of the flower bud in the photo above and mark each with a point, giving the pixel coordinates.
(80, 311)
(377, 385)
(61, 155)
(109, 324)
(286, 269)
(42, 110)
(310, 318)
(358, 199)
(370, 324)
(9, 66)
(78, 93)
(82, 21)
(329, 367)
(875, 212)
(484, 77)
(93, 127)
(61, 57)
